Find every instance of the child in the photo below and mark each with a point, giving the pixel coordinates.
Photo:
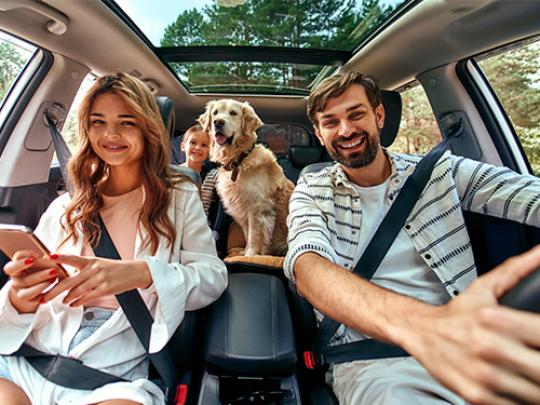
(156, 222)
(196, 145)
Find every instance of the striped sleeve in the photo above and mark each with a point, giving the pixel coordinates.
(308, 230)
(207, 190)
(497, 191)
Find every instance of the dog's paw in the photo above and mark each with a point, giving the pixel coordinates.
(251, 252)
(235, 251)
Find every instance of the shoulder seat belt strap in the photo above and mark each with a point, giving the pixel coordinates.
(377, 248)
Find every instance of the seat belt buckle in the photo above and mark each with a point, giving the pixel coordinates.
(309, 360)
(181, 394)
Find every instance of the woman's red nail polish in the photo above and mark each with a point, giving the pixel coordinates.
(53, 256)
(29, 260)
(42, 300)
(53, 272)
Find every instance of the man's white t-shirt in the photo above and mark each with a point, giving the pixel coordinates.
(402, 270)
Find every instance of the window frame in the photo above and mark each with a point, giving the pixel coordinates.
(21, 91)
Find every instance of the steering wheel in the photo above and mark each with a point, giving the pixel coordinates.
(525, 295)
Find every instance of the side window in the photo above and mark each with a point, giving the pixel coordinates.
(418, 130)
(69, 130)
(14, 54)
(514, 76)
(279, 137)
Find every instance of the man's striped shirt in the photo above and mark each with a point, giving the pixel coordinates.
(325, 214)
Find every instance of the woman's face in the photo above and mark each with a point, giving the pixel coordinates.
(197, 147)
(114, 132)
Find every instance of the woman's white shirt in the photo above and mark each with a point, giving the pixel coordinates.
(187, 277)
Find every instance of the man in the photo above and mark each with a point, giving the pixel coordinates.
(425, 296)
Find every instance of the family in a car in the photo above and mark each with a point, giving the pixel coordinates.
(424, 297)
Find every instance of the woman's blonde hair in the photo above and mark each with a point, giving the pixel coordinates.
(88, 174)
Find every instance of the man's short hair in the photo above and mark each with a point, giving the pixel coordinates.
(335, 86)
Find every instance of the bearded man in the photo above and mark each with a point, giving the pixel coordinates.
(425, 296)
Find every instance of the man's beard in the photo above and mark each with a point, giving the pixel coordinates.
(356, 159)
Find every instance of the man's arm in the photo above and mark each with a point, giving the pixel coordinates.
(472, 345)
(497, 191)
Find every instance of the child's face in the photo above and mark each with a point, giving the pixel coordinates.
(197, 147)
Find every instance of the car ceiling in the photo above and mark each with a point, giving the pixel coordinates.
(428, 34)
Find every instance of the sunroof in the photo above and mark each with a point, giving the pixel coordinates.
(336, 27)
(246, 77)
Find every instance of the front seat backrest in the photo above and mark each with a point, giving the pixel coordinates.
(166, 108)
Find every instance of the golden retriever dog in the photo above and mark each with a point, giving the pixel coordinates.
(250, 182)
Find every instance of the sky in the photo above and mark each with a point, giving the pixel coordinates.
(152, 19)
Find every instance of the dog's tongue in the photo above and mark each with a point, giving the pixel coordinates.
(221, 139)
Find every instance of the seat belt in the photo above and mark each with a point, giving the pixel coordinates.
(375, 252)
(61, 148)
(72, 373)
(140, 318)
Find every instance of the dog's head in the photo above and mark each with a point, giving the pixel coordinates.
(232, 125)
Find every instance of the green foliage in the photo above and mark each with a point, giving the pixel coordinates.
(418, 131)
(11, 63)
(514, 77)
(319, 24)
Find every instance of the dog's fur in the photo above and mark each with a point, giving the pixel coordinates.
(258, 198)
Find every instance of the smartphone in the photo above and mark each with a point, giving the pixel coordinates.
(19, 237)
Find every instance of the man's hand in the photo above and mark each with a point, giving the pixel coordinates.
(98, 277)
(30, 275)
(487, 353)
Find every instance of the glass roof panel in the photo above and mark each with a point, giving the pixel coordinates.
(327, 25)
(247, 77)
(319, 24)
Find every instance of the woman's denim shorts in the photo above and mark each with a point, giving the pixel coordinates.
(93, 318)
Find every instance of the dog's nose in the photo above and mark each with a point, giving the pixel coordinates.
(218, 124)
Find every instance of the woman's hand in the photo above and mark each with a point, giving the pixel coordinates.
(30, 275)
(98, 277)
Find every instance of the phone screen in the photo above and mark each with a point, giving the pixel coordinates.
(14, 238)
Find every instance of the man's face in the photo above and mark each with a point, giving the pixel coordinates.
(349, 128)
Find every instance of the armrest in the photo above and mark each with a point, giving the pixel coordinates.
(249, 330)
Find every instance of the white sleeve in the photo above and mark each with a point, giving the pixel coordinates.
(195, 282)
(15, 327)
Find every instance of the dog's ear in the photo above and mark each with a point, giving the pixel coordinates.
(250, 120)
(204, 119)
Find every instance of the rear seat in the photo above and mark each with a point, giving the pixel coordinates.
(300, 156)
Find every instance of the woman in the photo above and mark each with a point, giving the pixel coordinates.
(156, 222)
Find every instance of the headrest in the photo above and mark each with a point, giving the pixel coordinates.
(392, 107)
(302, 155)
(166, 108)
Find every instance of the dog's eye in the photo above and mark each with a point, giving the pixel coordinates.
(214, 112)
(233, 113)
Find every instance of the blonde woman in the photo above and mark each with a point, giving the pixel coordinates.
(156, 222)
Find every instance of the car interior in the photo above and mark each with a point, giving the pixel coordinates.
(253, 344)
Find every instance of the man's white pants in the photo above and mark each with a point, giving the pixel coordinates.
(400, 380)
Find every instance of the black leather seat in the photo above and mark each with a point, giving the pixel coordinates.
(166, 109)
(298, 157)
(250, 352)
